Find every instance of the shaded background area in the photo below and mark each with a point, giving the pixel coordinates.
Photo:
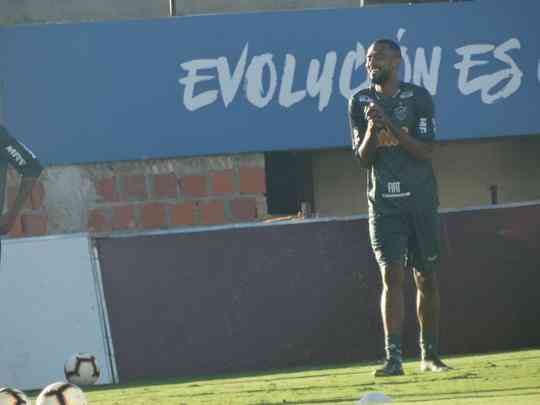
(305, 293)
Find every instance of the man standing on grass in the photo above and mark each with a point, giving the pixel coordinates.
(393, 131)
(14, 153)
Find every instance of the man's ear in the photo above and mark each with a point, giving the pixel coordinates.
(396, 62)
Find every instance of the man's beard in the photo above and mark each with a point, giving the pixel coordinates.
(380, 77)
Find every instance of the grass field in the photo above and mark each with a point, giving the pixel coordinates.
(505, 378)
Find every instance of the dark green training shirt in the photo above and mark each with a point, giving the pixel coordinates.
(397, 181)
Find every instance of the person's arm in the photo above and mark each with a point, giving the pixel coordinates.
(368, 147)
(421, 144)
(27, 165)
(363, 135)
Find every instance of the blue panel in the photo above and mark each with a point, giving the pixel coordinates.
(241, 83)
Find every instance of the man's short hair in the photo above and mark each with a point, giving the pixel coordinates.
(390, 44)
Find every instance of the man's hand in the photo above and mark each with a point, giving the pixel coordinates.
(395, 135)
(6, 223)
(377, 116)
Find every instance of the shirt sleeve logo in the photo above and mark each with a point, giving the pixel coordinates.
(422, 126)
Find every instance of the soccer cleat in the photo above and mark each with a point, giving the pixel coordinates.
(390, 368)
(434, 364)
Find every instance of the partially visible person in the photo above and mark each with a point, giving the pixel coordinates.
(14, 153)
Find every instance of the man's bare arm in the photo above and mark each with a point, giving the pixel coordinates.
(367, 148)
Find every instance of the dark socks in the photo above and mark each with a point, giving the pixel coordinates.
(393, 347)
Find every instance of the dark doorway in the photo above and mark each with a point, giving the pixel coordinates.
(289, 182)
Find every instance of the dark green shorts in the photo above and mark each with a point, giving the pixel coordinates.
(412, 239)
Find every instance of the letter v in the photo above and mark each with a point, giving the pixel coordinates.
(228, 83)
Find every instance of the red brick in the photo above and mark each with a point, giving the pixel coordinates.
(124, 217)
(252, 180)
(222, 182)
(98, 220)
(183, 214)
(193, 186)
(34, 224)
(38, 195)
(244, 209)
(16, 230)
(134, 187)
(212, 212)
(165, 186)
(154, 215)
(106, 189)
(12, 194)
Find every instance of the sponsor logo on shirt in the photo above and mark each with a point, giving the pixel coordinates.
(16, 155)
(394, 190)
(386, 139)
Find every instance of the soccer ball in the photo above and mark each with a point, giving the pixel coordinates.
(11, 396)
(61, 393)
(82, 369)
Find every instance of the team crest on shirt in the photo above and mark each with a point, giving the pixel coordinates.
(400, 112)
(406, 94)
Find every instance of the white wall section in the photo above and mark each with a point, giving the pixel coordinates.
(50, 297)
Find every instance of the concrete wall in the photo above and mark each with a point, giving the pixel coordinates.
(465, 170)
(33, 11)
(186, 7)
(131, 196)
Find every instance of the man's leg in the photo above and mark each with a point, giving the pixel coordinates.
(424, 256)
(388, 236)
(392, 306)
(428, 310)
(392, 311)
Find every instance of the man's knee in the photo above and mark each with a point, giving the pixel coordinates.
(426, 282)
(392, 276)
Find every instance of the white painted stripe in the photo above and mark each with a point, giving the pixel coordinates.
(102, 307)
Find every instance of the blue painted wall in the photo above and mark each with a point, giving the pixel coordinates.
(256, 82)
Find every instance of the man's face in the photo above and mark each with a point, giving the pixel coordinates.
(381, 62)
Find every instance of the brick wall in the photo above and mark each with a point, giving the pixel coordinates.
(144, 195)
(33, 218)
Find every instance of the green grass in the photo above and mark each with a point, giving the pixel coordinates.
(505, 378)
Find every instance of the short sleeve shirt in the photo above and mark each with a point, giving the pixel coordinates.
(397, 181)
